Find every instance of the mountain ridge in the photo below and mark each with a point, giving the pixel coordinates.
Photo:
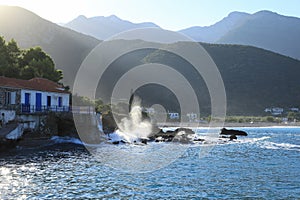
(264, 29)
(102, 27)
(254, 78)
(268, 30)
(215, 31)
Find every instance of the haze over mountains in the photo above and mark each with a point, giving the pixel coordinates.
(254, 78)
(263, 29)
(104, 27)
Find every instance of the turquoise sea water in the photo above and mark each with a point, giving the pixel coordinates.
(264, 165)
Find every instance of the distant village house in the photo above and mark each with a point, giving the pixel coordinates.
(173, 115)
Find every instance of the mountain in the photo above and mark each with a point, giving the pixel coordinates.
(67, 48)
(267, 30)
(211, 34)
(264, 29)
(104, 27)
(254, 78)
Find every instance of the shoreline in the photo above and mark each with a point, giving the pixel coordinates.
(227, 124)
(38, 141)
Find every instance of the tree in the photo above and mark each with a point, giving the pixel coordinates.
(37, 63)
(3, 56)
(26, 64)
(14, 52)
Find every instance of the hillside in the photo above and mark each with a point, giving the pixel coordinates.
(67, 48)
(268, 30)
(213, 33)
(104, 27)
(254, 78)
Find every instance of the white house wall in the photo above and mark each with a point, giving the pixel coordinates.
(54, 97)
(9, 115)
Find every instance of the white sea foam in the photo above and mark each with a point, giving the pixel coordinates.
(66, 139)
(284, 146)
(134, 127)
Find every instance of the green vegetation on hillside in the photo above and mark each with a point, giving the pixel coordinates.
(26, 64)
(67, 48)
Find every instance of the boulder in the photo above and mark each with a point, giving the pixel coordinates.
(182, 135)
(225, 131)
(232, 137)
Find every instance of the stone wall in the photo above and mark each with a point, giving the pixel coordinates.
(3, 91)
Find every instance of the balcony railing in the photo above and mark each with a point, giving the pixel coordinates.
(42, 109)
(33, 109)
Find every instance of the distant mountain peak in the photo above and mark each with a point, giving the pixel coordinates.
(237, 13)
(265, 12)
(81, 17)
(114, 18)
(102, 27)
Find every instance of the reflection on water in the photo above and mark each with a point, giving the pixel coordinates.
(249, 168)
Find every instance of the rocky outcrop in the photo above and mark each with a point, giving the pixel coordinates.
(181, 135)
(109, 124)
(225, 131)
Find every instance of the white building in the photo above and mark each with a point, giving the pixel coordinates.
(192, 117)
(34, 95)
(275, 111)
(173, 115)
(294, 109)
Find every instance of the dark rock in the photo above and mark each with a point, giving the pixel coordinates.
(108, 123)
(144, 141)
(199, 140)
(122, 141)
(225, 131)
(168, 136)
(232, 137)
(116, 142)
(186, 130)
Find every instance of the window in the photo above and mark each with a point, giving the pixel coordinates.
(13, 98)
(7, 98)
(27, 98)
(10, 98)
(48, 101)
(59, 101)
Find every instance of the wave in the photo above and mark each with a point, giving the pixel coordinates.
(66, 139)
(284, 146)
(254, 140)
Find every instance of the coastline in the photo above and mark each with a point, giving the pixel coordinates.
(227, 124)
(35, 140)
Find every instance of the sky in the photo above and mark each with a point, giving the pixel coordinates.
(169, 14)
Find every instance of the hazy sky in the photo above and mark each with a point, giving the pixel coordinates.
(169, 14)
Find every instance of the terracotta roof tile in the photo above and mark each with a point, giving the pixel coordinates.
(40, 84)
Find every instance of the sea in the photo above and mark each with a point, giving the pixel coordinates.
(263, 165)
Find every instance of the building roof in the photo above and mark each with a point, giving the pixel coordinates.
(40, 84)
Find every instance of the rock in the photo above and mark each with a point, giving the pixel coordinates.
(159, 139)
(115, 142)
(199, 140)
(186, 130)
(225, 131)
(144, 141)
(108, 122)
(232, 137)
(182, 135)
